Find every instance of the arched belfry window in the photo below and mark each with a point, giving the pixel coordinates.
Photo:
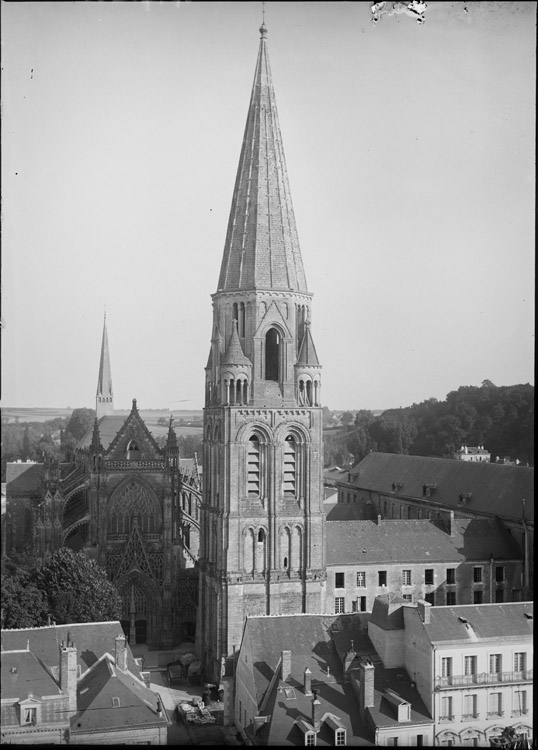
(133, 451)
(272, 354)
(253, 467)
(290, 466)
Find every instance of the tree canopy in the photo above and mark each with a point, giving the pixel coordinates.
(70, 587)
(501, 418)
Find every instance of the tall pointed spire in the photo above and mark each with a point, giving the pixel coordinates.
(104, 398)
(262, 247)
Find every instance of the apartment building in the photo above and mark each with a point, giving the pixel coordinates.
(472, 664)
(463, 561)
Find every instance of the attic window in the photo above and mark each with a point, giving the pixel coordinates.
(397, 486)
(464, 496)
(116, 702)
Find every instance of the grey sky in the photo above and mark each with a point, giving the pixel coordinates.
(411, 158)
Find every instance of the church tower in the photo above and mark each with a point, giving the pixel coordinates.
(104, 398)
(263, 522)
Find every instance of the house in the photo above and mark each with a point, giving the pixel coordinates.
(317, 680)
(472, 453)
(472, 664)
(77, 684)
(466, 561)
(400, 486)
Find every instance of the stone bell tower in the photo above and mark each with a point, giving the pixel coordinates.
(262, 520)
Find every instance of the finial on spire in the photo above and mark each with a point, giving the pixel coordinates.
(263, 27)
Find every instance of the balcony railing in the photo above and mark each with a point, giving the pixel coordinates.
(520, 712)
(469, 717)
(484, 678)
(491, 714)
(448, 718)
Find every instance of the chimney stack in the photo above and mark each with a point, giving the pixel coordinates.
(307, 682)
(379, 519)
(424, 611)
(285, 666)
(316, 711)
(366, 686)
(121, 653)
(68, 674)
(451, 529)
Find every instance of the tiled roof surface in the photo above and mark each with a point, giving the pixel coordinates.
(387, 612)
(22, 674)
(91, 639)
(495, 621)
(136, 704)
(23, 478)
(497, 489)
(418, 540)
(109, 426)
(320, 642)
(261, 250)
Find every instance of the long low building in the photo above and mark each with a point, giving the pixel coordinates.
(397, 486)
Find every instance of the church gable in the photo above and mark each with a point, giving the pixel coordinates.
(134, 441)
(273, 315)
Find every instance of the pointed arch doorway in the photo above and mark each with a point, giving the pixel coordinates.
(135, 613)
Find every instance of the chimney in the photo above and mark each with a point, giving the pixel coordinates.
(451, 529)
(307, 681)
(424, 611)
(285, 666)
(121, 653)
(316, 711)
(379, 519)
(366, 686)
(68, 674)
(349, 658)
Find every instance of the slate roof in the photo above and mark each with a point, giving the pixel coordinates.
(320, 642)
(261, 250)
(91, 639)
(23, 478)
(136, 704)
(104, 380)
(495, 621)
(417, 541)
(109, 426)
(387, 612)
(234, 354)
(497, 489)
(29, 676)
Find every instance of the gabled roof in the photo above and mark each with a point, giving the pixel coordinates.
(387, 612)
(261, 250)
(23, 478)
(319, 643)
(487, 621)
(91, 639)
(134, 427)
(108, 698)
(496, 489)
(108, 426)
(22, 673)
(417, 541)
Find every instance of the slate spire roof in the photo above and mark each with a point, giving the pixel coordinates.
(307, 353)
(262, 247)
(234, 354)
(104, 381)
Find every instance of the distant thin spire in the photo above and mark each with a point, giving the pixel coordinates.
(104, 399)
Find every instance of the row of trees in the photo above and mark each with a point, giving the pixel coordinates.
(69, 588)
(500, 418)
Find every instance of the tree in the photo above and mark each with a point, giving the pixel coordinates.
(78, 589)
(24, 605)
(26, 447)
(346, 418)
(80, 422)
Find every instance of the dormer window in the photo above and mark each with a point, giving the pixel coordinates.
(340, 737)
(29, 715)
(310, 739)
